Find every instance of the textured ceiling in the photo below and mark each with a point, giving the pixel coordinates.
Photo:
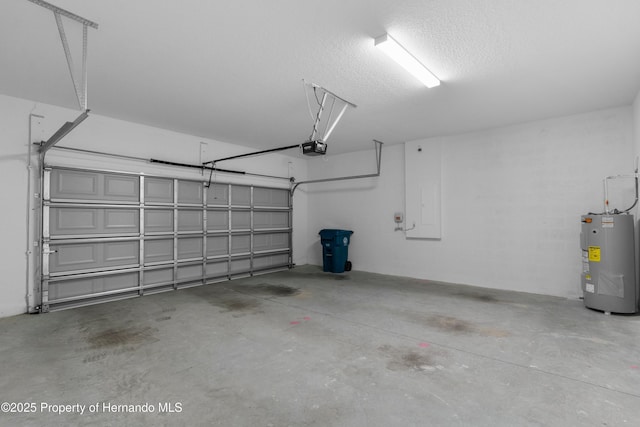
(232, 70)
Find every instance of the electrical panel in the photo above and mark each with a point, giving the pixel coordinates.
(423, 187)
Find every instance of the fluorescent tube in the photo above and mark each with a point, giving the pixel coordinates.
(399, 54)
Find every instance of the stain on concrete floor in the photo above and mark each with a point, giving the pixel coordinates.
(231, 301)
(458, 326)
(450, 324)
(306, 275)
(237, 304)
(242, 299)
(406, 359)
(266, 289)
(114, 337)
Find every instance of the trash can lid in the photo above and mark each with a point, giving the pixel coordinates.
(333, 232)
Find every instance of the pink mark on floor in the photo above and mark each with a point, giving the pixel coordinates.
(424, 344)
(294, 322)
(634, 367)
(307, 318)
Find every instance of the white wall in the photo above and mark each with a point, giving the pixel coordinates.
(511, 203)
(114, 136)
(636, 124)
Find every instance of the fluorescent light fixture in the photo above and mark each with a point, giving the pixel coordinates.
(399, 54)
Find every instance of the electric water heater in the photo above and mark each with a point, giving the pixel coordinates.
(608, 263)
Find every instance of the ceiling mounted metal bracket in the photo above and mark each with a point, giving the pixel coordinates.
(62, 132)
(79, 86)
(330, 123)
(66, 13)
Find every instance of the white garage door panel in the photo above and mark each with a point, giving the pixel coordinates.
(121, 221)
(267, 262)
(93, 186)
(217, 245)
(79, 287)
(74, 185)
(270, 197)
(217, 269)
(240, 196)
(158, 190)
(240, 244)
(65, 221)
(218, 195)
(160, 250)
(152, 277)
(190, 272)
(264, 220)
(93, 256)
(240, 220)
(75, 221)
(270, 242)
(240, 266)
(118, 187)
(158, 221)
(190, 248)
(190, 220)
(190, 192)
(110, 235)
(217, 220)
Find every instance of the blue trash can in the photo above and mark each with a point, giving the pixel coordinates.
(335, 250)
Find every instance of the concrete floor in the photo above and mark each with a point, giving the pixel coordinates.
(306, 348)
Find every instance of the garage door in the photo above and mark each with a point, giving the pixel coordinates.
(114, 235)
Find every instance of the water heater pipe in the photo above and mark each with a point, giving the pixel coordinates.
(635, 176)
